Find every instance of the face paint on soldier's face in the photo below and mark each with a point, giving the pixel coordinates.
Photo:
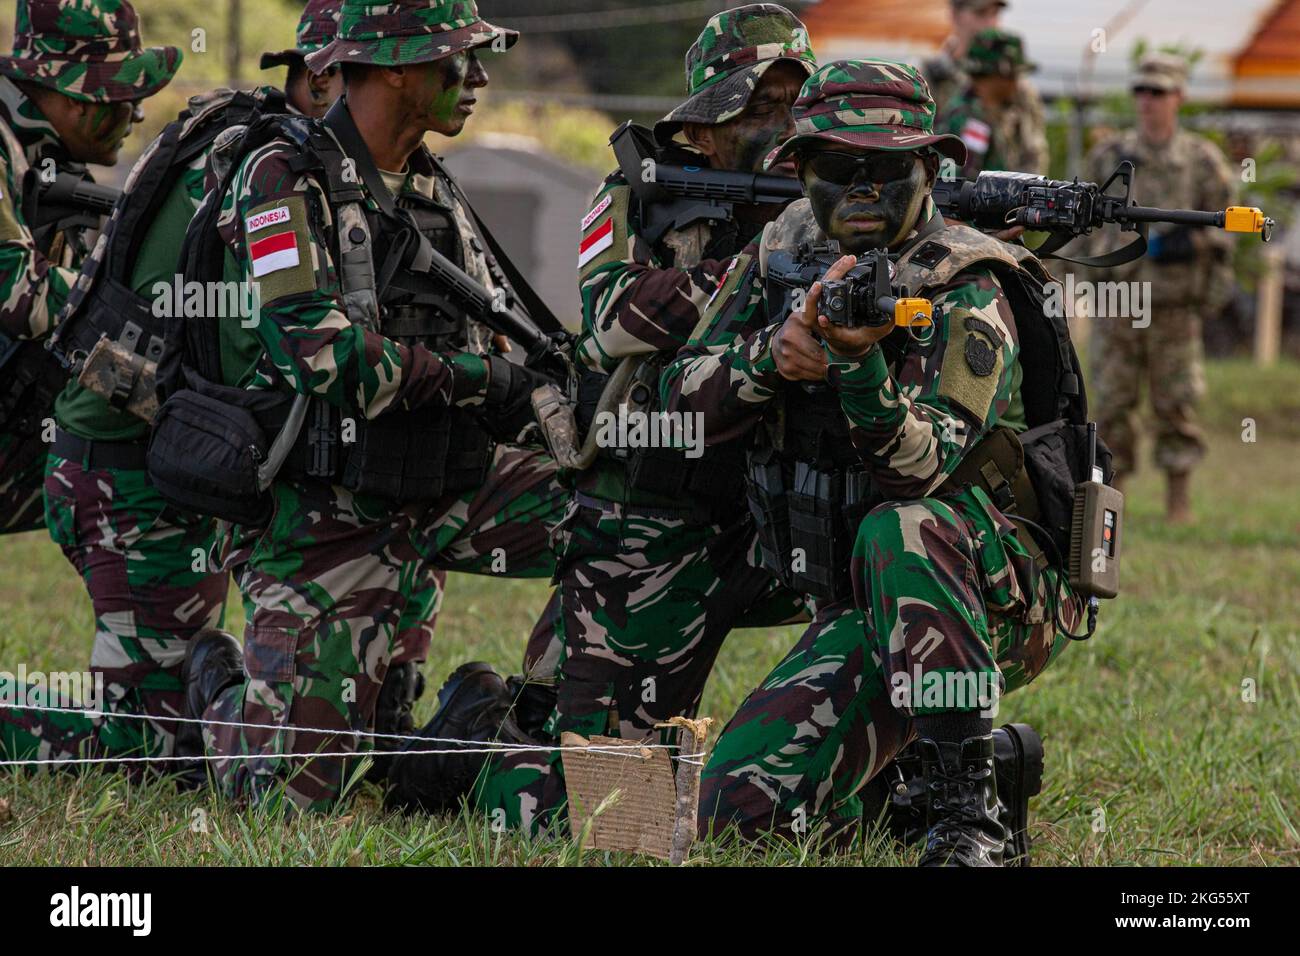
(450, 90)
(744, 142)
(102, 129)
(864, 216)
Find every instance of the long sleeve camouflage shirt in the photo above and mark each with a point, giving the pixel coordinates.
(912, 418)
(33, 283)
(280, 228)
(637, 298)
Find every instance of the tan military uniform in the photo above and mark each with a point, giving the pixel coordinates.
(1188, 172)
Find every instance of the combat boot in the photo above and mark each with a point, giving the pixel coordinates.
(899, 801)
(403, 686)
(534, 701)
(961, 803)
(474, 707)
(1178, 497)
(214, 660)
(1018, 762)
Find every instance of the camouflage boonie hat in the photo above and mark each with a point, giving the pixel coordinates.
(88, 50)
(407, 31)
(996, 53)
(724, 65)
(867, 104)
(316, 27)
(1160, 71)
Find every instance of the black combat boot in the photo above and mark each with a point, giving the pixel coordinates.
(214, 660)
(403, 686)
(899, 800)
(962, 803)
(1018, 761)
(534, 701)
(474, 706)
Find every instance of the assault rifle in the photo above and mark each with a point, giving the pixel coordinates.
(71, 199)
(864, 297)
(1067, 209)
(677, 196)
(436, 279)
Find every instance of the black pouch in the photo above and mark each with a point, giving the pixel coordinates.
(1056, 460)
(765, 493)
(817, 531)
(399, 456)
(205, 449)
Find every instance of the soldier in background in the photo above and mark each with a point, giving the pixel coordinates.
(1190, 275)
(947, 76)
(69, 95)
(987, 114)
(310, 93)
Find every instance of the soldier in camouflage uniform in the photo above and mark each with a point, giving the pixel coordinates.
(69, 95)
(653, 573)
(1022, 125)
(310, 93)
(986, 112)
(327, 584)
(941, 580)
(1190, 276)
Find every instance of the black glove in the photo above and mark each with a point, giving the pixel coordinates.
(507, 405)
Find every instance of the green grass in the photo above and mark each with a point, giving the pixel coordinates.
(1153, 756)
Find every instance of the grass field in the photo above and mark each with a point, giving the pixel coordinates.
(1154, 757)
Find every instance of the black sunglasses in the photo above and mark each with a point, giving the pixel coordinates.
(1149, 91)
(843, 169)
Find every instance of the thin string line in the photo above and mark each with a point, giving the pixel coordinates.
(331, 731)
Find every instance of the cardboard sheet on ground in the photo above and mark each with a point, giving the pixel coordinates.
(641, 819)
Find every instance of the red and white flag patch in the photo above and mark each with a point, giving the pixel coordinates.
(976, 134)
(275, 252)
(601, 238)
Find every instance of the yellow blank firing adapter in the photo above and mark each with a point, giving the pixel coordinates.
(1247, 219)
(910, 312)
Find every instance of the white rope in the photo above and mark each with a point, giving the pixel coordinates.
(331, 731)
(481, 746)
(50, 761)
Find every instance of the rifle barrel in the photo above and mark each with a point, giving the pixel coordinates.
(695, 182)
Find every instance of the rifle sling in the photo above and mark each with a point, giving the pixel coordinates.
(340, 122)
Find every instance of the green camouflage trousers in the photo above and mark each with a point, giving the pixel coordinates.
(946, 599)
(143, 564)
(1167, 357)
(646, 600)
(329, 588)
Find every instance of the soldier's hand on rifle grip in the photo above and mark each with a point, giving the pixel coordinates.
(799, 355)
(843, 341)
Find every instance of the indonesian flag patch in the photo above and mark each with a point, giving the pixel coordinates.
(596, 242)
(976, 135)
(273, 253)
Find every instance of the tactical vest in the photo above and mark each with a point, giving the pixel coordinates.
(400, 456)
(807, 488)
(706, 485)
